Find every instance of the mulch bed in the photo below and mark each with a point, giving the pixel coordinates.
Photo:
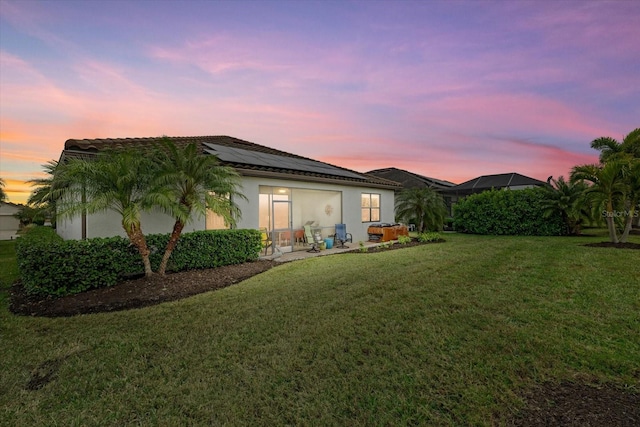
(579, 405)
(627, 245)
(136, 293)
(564, 404)
(143, 292)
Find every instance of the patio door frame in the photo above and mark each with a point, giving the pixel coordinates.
(282, 234)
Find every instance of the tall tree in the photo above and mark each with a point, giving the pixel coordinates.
(3, 195)
(568, 200)
(610, 148)
(197, 182)
(423, 205)
(608, 189)
(114, 180)
(47, 190)
(631, 175)
(627, 152)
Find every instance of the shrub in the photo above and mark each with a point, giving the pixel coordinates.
(403, 240)
(429, 237)
(506, 212)
(52, 266)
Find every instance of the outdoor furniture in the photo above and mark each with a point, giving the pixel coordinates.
(284, 238)
(341, 236)
(311, 240)
(298, 235)
(386, 232)
(266, 239)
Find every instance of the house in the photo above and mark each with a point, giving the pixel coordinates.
(413, 180)
(9, 224)
(510, 181)
(284, 193)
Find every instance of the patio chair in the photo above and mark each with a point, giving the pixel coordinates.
(298, 235)
(342, 236)
(266, 239)
(308, 235)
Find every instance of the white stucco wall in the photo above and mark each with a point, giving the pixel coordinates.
(351, 200)
(108, 224)
(69, 228)
(8, 223)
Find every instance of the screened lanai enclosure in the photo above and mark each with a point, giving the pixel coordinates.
(284, 211)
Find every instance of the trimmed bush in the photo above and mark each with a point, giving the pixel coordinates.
(429, 237)
(506, 212)
(52, 266)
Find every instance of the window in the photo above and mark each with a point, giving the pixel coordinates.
(370, 207)
(215, 221)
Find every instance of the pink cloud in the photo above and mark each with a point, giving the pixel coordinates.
(525, 113)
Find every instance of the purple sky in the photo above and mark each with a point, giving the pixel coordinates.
(451, 89)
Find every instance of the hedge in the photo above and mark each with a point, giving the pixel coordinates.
(506, 212)
(51, 266)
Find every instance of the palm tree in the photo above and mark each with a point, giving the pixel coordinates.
(47, 190)
(114, 180)
(627, 151)
(424, 205)
(3, 195)
(608, 190)
(610, 148)
(567, 199)
(197, 182)
(631, 175)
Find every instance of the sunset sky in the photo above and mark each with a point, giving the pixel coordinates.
(447, 89)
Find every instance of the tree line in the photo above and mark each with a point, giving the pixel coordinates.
(607, 191)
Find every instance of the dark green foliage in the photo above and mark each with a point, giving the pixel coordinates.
(207, 249)
(52, 266)
(424, 205)
(429, 237)
(507, 212)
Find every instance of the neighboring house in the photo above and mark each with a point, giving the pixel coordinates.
(412, 180)
(9, 224)
(284, 192)
(511, 181)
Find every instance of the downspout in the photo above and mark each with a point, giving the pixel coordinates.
(83, 222)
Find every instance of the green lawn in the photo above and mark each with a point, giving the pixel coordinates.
(441, 334)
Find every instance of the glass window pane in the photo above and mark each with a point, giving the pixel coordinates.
(366, 200)
(365, 215)
(375, 214)
(375, 200)
(214, 221)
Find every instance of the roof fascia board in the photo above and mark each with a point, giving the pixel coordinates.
(307, 178)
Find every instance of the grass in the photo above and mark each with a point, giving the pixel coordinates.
(442, 334)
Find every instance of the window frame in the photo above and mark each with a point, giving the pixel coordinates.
(370, 208)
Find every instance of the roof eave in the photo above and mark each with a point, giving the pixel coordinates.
(310, 178)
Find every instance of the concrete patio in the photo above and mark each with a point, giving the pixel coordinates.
(303, 254)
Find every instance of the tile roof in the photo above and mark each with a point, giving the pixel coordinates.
(487, 182)
(410, 179)
(82, 147)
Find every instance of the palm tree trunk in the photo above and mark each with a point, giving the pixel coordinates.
(137, 239)
(613, 234)
(171, 245)
(628, 225)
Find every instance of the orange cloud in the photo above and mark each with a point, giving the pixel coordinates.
(17, 191)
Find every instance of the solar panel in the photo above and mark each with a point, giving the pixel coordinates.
(257, 158)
